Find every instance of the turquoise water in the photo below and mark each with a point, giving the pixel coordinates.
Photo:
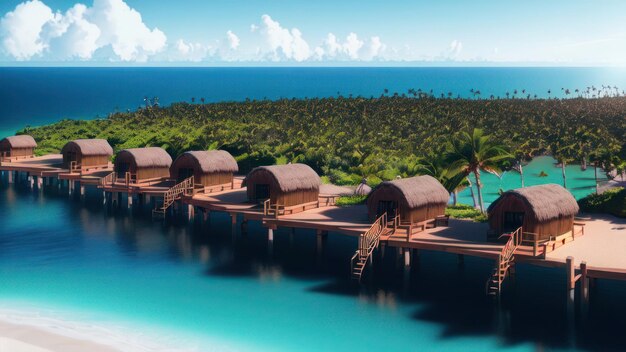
(580, 183)
(35, 96)
(197, 287)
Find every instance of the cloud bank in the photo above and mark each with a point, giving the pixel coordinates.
(32, 30)
(111, 30)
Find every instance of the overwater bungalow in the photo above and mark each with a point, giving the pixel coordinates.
(544, 212)
(140, 165)
(17, 147)
(85, 154)
(417, 202)
(284, 189)
(212, 170)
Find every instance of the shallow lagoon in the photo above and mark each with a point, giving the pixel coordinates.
(579, 182)
(196, 287)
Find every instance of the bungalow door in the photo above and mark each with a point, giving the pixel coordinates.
(122, 169)
(387, 206)
(185, 173)
(512, 221)
(261, 192)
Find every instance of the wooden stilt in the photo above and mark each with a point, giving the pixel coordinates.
(407, 257)
(270, 234)
(82, 190)
(40, 183)
(10, 177)
(130, 200)
(191, 212)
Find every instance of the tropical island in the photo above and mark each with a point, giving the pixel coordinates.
(346, 139)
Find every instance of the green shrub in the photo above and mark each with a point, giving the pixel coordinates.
(463, 211)
(612, 201)
(350, 200)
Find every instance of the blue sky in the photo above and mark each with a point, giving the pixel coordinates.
(235, 32)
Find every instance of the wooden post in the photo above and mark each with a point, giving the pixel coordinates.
(233, 222)
(40, 183)
(584, 283)
(407, 257)
(270, 234)
(206, 216)
(31, 181)
(130, 200)
(570, 272)
(191, 212)
(104, 198)
(382, 251)
(82, 190)
(10, 177)
(244, 226)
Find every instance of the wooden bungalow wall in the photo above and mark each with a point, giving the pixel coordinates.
(200, 178)
(85, 161)
(218, 178)
(276, 195)
(544, 229)
(13, 152)
(419, 214)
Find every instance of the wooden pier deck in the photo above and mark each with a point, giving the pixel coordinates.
(602, 246)
(43, 166)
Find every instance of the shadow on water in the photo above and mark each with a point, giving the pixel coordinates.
(444, 291)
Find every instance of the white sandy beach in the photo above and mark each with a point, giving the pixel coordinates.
(25, 338)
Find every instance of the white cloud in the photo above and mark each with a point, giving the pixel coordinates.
(455, 48)
(32, 28)
(71, 35)
(21, 27)
(123, 28)
(233, 40)
(352, 49)
(194, 52)
(282, 42)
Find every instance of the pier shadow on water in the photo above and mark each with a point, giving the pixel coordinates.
(437, 289)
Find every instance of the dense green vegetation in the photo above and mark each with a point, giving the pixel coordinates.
(612, 201)
(462, 211)
(350, 200)
(346, 139)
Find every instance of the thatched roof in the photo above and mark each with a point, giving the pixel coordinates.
(90, 147)
(418, 191)
(362, 189)
(212, 161)
(334, 190)
(148, 157)
(290, 177)
(21, 141)
(546, 201)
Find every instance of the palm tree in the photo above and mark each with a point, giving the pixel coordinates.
(436, 166)
(469, 153)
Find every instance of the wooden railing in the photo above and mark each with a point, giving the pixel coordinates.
(275, 210)
(74, 166)
(368, 241)
(186, 187)
(505, 258)
(108, 179)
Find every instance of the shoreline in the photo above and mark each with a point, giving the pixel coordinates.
(32, 329)
(27, 338)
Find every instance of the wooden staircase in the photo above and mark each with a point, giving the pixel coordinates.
(368, 242)
(186, 187)
(504, 263)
